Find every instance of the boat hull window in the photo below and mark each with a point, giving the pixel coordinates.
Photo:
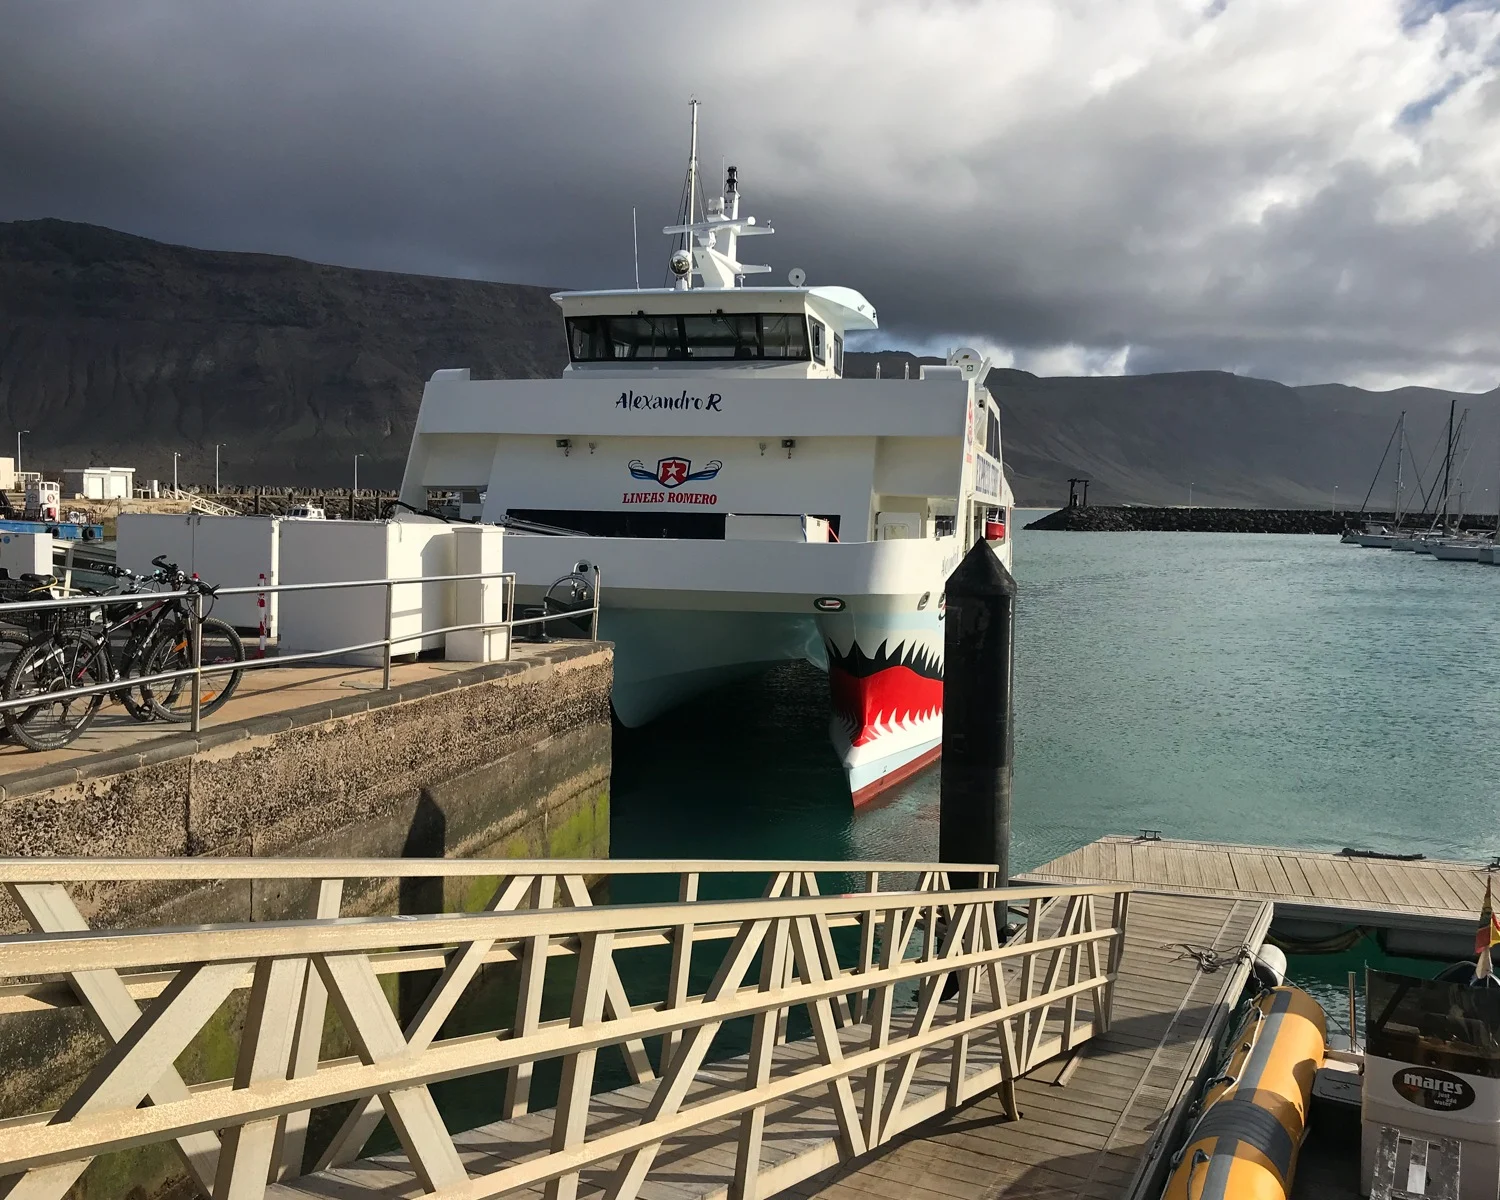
(691, 336)
(838, 354)
(703, 526)
(819, 340)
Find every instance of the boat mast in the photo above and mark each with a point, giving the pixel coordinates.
(692, 188)
(1447, 468)
(1400, 455)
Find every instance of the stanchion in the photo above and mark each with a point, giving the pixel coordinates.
(260, 602)
(975, 792)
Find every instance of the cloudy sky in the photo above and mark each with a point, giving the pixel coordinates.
(1306, 190)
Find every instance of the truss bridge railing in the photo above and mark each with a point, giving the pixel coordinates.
(868, 1009)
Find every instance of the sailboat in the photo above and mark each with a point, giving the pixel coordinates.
(1381, 536)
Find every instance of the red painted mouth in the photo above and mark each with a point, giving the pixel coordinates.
(893, 695)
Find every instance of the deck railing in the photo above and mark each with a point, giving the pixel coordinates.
(200, 607)
(916, 1000)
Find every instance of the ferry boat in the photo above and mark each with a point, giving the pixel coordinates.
(743, 502)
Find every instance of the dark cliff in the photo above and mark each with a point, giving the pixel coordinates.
(114, 348)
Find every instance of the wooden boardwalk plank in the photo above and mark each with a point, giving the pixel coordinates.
(1306, 880)
(1087, 1138)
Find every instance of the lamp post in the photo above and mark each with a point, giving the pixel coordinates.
(355, 492)
(1190, 495)
(175, 456)
(216, 467)
(19, 432)
(1333, 504)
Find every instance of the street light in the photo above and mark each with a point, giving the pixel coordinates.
(19, 432)
(175, 456)
(1334, 503)
(1190, 495)
(216, 467)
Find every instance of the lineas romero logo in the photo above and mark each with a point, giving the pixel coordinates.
(671, 474)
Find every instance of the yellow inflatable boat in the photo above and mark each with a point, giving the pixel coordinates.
(1244, 1146)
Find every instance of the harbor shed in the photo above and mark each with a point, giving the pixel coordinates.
(101, 483)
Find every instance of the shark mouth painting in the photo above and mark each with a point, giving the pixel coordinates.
(892, 688)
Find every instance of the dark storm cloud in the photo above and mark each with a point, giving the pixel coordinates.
(1285, 187)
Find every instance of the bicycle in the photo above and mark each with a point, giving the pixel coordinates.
(170, 648)
(70, 655)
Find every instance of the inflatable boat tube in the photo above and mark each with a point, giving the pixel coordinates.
(1244, 1146)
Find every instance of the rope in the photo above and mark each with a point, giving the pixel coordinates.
(1211, 960)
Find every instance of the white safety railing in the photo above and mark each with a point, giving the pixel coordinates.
(199, 598)
(916, 1001)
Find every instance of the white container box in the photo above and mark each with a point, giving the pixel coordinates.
(327, 551)
(26, 554)
(478, 549)
(224, 551)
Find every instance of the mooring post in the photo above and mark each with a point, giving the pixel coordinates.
(978, 724)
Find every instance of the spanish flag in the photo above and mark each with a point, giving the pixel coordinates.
(1488, 935)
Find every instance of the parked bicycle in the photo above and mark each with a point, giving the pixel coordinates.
(79, 647)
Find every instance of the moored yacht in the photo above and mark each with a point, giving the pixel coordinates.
(744, 503)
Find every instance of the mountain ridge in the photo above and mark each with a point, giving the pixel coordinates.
(115, 347)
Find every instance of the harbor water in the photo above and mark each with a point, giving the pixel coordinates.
(1238, 687)
(1277, 689)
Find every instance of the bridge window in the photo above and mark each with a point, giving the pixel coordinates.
(992, 433)
(688, 336)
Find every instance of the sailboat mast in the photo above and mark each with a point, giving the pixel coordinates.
(1400, 458)
(1447, 464)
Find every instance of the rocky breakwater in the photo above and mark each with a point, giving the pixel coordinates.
(1131, 518)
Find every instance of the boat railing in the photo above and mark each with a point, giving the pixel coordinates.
(200, 601)
(866, 1011)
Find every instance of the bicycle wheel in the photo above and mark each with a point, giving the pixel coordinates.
(173, 651)
(137, 700)
(12, 642)
(66, 660)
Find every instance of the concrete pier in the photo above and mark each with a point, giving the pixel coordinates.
(505, 759)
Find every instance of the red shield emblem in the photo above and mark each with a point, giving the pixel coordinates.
(670, 472)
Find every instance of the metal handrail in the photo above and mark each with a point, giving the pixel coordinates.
(991, 1003)
(198, 669)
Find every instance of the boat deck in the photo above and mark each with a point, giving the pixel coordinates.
(1306, 884)
(1097, 1126)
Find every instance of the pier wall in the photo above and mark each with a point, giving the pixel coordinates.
(505, 760)
(510, 759)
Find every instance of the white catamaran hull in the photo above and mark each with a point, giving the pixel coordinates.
(688, 616)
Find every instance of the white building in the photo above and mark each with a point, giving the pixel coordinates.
(101, 483)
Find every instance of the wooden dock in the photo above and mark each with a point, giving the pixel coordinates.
(1105, 1130)
(1100, 1126)
(948, 1056)
(1314, 891)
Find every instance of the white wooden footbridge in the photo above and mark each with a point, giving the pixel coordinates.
(782, 1039)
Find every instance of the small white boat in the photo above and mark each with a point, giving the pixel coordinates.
(1462, 550)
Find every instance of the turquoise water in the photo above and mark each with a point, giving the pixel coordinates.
(1273, 689)
(1249, 688)
(1288, 690)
